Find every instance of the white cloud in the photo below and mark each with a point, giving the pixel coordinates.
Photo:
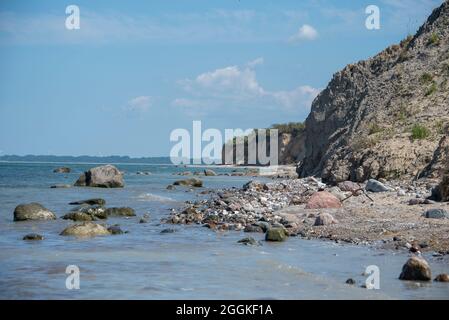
(255, 62)
(306, 32)
(235, 88)
(139, 104)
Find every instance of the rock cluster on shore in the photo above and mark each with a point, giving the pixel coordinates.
(85, 214)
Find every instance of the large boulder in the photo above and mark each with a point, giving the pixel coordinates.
(86, 229)
(323, 200)
(32, 211)
(276, 235)
(436, 214)
(349, 186)
(106, 176)
(376, 186)
(416, 269)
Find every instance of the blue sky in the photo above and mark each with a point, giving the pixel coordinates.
(136, 70)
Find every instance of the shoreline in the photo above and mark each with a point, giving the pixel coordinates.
(390, 221)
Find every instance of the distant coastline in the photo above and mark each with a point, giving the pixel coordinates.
(85, 159)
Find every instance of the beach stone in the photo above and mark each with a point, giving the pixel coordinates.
(78, 216)
(249, 242)
(60, 186)
(376, 186)
(276, 234)
(120, 212)
(62, 170)
(253, 229)
(337, 193)
(95, 201)
(95, 211)
(444, 277)
(85, 229)
(350, 281)
(348, 186)
(255, 186)
(324, 219)
(33, 236)
(107, 176)
(32, 211)
(322, 200)
(209, 173)
(170, 187)
(193, 182)
(115, 230)
(436, 214)
(143, 220)
(264, 225)
(416, 269)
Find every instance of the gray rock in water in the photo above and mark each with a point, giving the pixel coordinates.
(276, 235)
(62, 170)
(209, 173)
(96, 211)
(250, 242)
(85, 229)
(444, 277)
(416, 269)
(60, 186)
(350, 281)
(193, 182)
(106, 176)
(264, 225)
(253, 229)
(32, 211)
(115, 230)
(376, 186)
(33, 237)
(120, 212)
(436, 214)
(168, 230)
(95, 201)
(78, 216)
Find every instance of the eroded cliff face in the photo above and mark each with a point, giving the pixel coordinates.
(384, 117)
(290, 150)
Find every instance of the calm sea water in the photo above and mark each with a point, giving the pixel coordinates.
(192, 263)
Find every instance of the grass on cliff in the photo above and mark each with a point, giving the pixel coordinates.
(432, 89)
(434, 39)
(426, 78)
(420, 132)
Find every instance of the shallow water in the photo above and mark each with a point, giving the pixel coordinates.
(192, 263)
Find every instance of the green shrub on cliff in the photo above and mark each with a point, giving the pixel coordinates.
(420, 132)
